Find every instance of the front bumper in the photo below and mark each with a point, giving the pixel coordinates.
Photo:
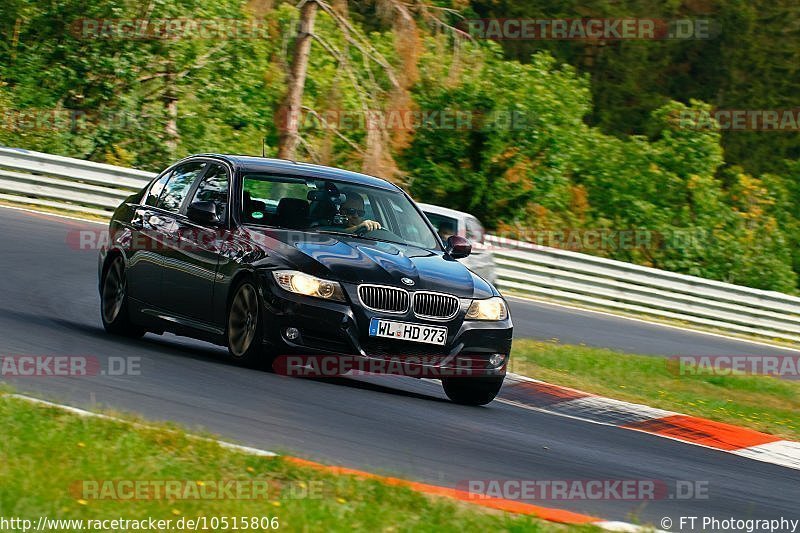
(326, 328)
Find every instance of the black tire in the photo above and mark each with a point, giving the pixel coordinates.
(114, 301)
(244, 326)
(472, 391)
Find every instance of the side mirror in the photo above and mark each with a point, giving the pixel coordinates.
(458, 247)
(203, 212)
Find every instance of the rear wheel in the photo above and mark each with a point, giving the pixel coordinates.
(472, 391)
(244, 325)
(114, 301)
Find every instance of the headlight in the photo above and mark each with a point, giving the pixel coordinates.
(307, 285)
(489, 309)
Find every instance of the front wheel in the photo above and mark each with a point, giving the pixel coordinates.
(472, 391)
(114, 302)
(244, 325)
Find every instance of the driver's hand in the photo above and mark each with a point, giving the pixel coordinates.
(369, 225)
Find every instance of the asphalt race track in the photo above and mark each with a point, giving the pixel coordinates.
(575, 326)
(396, 426)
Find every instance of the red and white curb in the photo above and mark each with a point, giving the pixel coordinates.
(541, 396)
(510, 506)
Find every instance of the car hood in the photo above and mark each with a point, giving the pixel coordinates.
(355, 260)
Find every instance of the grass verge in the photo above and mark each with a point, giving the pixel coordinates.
(763, 403)
(46, 455)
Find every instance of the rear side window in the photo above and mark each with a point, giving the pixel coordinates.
(214, 188)
(179, 184)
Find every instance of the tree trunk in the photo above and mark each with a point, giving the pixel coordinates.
(171, 110)
(289, 113)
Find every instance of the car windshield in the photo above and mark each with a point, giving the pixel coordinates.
(330, 206)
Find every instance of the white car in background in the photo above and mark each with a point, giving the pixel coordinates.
(451, 222)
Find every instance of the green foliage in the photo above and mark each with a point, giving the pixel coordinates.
(510, 158)
(529, 177)
(111, 93)
(524, 145)
(750, 61)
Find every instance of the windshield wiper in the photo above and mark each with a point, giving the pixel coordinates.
(373, 239)
(356, 235)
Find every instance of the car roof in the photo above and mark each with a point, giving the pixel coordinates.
(439, 210)
(246, 163)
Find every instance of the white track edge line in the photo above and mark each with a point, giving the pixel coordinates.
(794, 461)
(603, 524)
(611, 525)
(767, 460)
(84, 413)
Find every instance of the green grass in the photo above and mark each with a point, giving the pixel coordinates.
(764, 403)
(44, 451)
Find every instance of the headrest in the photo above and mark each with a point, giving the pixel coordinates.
(292, 213)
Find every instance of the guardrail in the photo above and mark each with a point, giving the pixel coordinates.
(560, 275)
(66, 183)
(616, 285)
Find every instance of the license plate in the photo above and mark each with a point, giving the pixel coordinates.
(407, 331)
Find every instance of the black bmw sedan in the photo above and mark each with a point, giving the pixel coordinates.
(287, 263)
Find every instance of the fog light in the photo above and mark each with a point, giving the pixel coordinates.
(291, 333)
(497, 359)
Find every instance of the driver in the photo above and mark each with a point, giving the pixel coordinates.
(353, 209)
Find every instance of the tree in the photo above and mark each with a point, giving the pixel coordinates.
(293, 102)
